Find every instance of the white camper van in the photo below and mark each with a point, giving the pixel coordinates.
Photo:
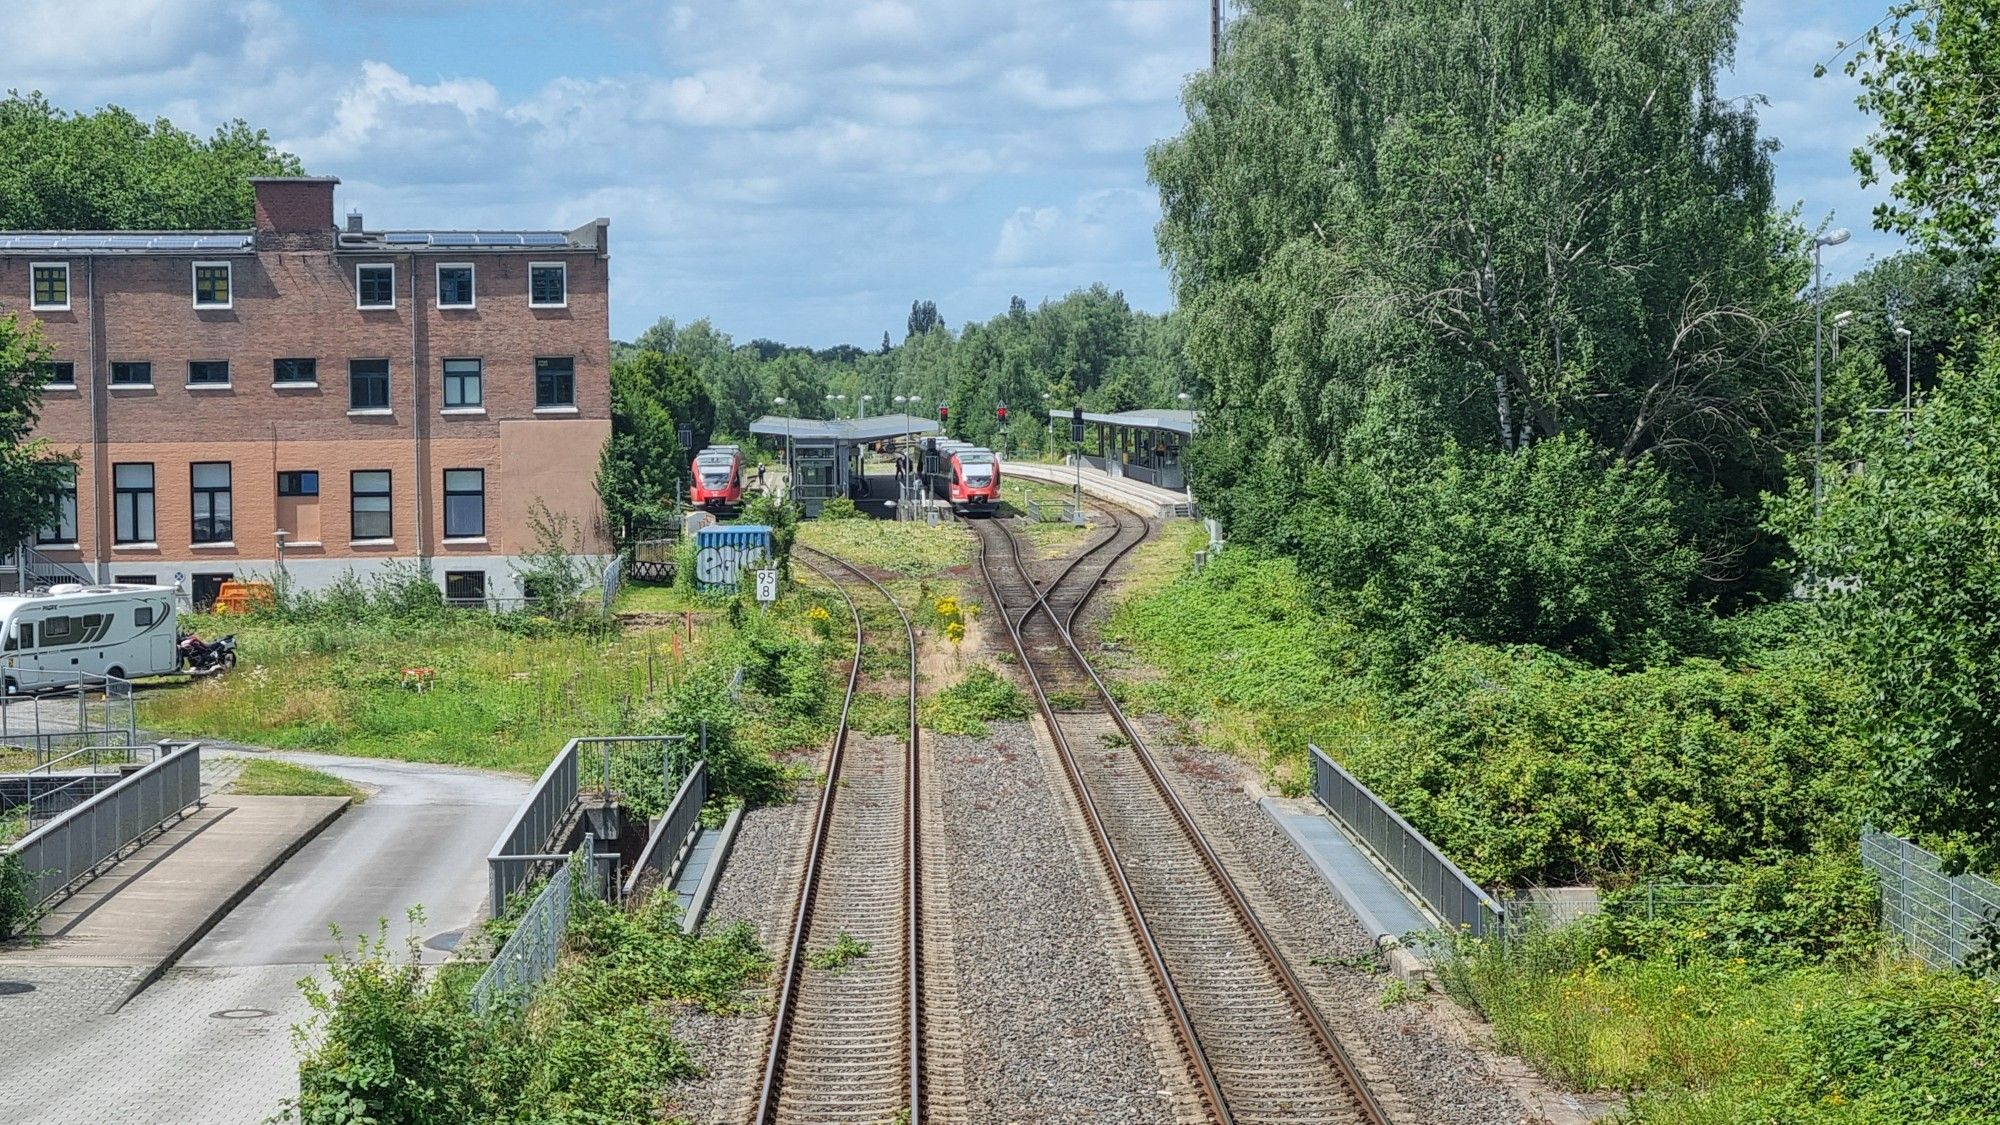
(49, 640)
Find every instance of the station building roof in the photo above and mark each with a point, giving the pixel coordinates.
(849, 430)
(1177, 421)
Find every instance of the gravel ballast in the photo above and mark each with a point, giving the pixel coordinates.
(1054, 1031)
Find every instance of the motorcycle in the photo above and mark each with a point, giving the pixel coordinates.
(205, 658)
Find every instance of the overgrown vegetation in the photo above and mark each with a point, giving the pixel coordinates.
(389, 1041)
(270, 777)
(966, 707)
(20, 905)
(843, 951)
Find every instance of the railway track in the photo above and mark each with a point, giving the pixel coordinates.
(847, 1040)
(1256, 1047)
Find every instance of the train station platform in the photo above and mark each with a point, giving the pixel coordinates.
(1147, 498)
(1384, 908)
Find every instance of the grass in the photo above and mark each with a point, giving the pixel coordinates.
(14, 759)
(269, 777)
(634, 597)
(1712, 1041)
(1048, 538)
(495, 699)
(13, 826)
(914, 550)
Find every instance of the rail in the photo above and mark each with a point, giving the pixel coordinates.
(70, 849)
(523, 844)
(1947, 920)
(668, 846)
(1457, 901)
(1209, 1078)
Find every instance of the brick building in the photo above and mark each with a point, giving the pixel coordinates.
(315, 398)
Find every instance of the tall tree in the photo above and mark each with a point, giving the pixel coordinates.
(30, 471)
(924, 318)
(108, 170)
(1405, 223)
(1930, 71)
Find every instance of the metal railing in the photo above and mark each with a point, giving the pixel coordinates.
(71, 848)
(1052, 511)
(94, 711)
(523, 844)
(672, 839)
(81, 770)
(1943, 919)
(530, 953)
(1451, 895)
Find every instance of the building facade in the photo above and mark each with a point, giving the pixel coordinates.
(311, 399)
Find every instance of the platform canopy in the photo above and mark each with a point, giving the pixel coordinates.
(1174, 421)
(857, 430)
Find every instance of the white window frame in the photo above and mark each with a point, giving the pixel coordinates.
(532, 267)
(194, 286)
(358, 267)
(437, 292)
(67, 277)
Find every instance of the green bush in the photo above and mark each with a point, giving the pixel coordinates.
(20, 905)
(840, 508)
(388, 1042)
(967, 706)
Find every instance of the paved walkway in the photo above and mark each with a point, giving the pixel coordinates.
(1379, 902)
(210, 1043)
(146, 909)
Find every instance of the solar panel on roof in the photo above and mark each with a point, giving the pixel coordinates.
(545, 238)
(401, 238)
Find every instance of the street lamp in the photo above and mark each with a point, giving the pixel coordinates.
(1831, 238)
(861, 408)
(779, 402)
(1839, 319)
(1905, 334)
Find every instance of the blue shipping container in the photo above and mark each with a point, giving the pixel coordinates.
(724, 552)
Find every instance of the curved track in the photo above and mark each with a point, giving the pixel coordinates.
(847, 1042)
(1257, 1048)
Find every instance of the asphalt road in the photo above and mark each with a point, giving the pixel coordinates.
(211, 1041)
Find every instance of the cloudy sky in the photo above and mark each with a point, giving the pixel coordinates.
(797, 169)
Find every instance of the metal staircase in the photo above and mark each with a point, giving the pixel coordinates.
(28, 569)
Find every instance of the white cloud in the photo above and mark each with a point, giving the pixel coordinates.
(1100, 226)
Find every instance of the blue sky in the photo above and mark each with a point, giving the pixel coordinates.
(793, 169)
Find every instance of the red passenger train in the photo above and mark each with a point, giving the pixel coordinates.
(718, 479)
(965, 475)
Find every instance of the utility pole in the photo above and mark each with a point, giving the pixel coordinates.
(1214, 34)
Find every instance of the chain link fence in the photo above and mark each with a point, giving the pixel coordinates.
(1947, 920)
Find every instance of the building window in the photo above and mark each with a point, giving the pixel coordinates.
(375, 287)
(64, 529)
(211, 285)
(131, 374)
(369, 515)
(454, 287)
(50, 286)
(295, 371)
(135, 579)
(463, 383)
(210, 481)
(208, 373)
(301, 482)
(58, 374)
(548, 285)
(465, 587)
(464, 503)
(555, 382)
(368, 384)
(132, 503)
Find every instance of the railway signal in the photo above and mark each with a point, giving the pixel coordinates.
(944, 412)
(1076, 425)
(1000, 412)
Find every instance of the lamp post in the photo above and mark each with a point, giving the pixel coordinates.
(861, 407)
(1905, 334)
(1832, 238)
(1839, 320)
(779, 402)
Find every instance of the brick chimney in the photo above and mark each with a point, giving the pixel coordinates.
(294, 212)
